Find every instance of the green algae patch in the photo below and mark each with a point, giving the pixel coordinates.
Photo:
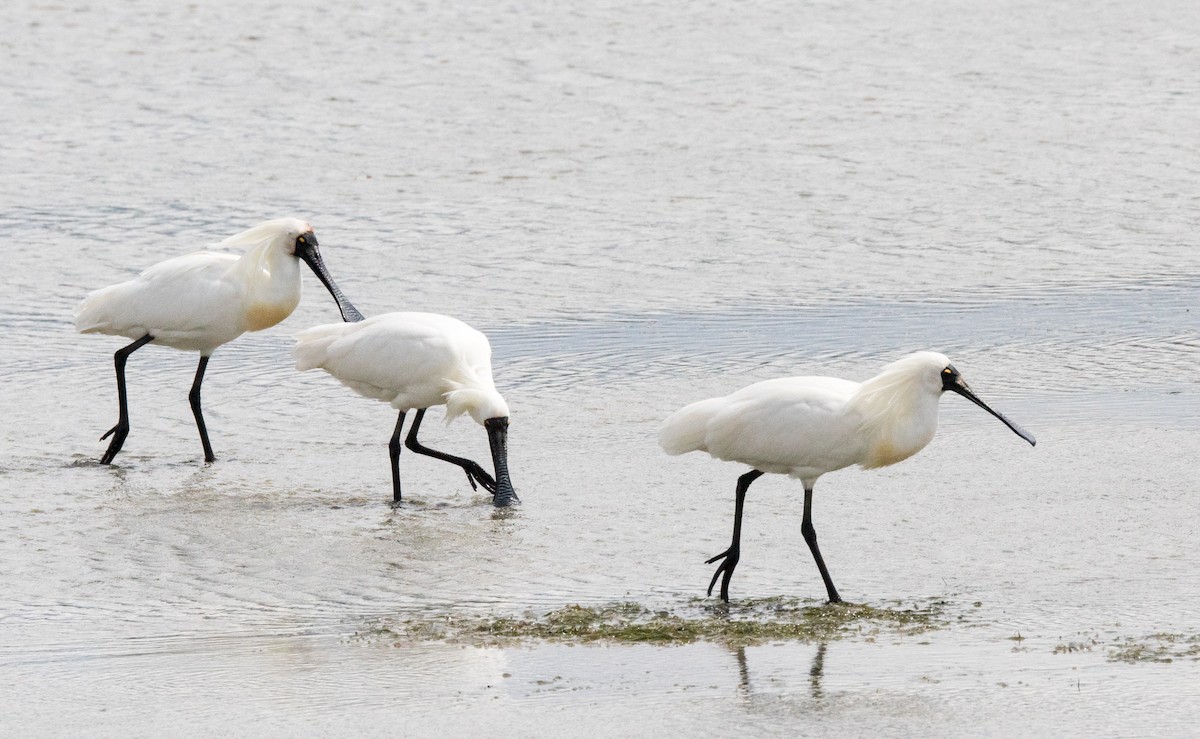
(1161, 647)
(745, 622)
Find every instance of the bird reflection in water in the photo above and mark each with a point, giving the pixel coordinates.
(816, 672)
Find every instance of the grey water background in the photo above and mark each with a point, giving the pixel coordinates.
(642, 205)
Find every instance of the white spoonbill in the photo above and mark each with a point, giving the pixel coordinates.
(417, 361)
(199, 301)
(806, 426)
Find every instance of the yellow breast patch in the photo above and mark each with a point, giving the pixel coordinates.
(884, 453)
(265, 315)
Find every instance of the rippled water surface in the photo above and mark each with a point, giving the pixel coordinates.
(642, 205)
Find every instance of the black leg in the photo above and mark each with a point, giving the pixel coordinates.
(475, 473)
(194, 399)
(121, 430)
(733, 553)
(394, 455)
(810, 536)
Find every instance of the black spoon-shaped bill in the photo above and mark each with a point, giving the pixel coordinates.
(960, 387)
(497, 431)
(307, 250)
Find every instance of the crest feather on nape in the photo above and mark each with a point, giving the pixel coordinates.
(474, 395)
(895, 388)
(266, 232)
(463, 399)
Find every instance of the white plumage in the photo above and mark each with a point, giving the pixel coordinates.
(415, 361)
(805, 427)
(199, 301)
(409, 360)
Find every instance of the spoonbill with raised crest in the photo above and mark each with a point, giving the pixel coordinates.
(199, 301)
(806, 426)
(415, 361)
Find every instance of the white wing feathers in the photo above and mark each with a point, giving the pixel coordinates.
(411, 360)
(769, 425)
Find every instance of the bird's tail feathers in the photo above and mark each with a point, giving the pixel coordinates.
(686, 430)
(93, 314)
(312, 345)
(86, 319)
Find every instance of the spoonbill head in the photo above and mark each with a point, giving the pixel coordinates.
(199, 301)
(804, 427)
(415, 361)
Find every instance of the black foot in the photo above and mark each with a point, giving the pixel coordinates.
(731, 556)
(118, 432)
(475, 473)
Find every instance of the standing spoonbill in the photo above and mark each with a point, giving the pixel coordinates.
(806, 426)
(199, 301)
(417, 361)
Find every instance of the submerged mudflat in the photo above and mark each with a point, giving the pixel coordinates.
(755, 621)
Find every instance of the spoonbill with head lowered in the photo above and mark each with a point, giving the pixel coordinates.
(806, 426)
(199, 301)
(415, 361)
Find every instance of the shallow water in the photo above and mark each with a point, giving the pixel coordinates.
(642, 206)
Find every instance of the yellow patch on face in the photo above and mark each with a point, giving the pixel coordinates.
(266, 315)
